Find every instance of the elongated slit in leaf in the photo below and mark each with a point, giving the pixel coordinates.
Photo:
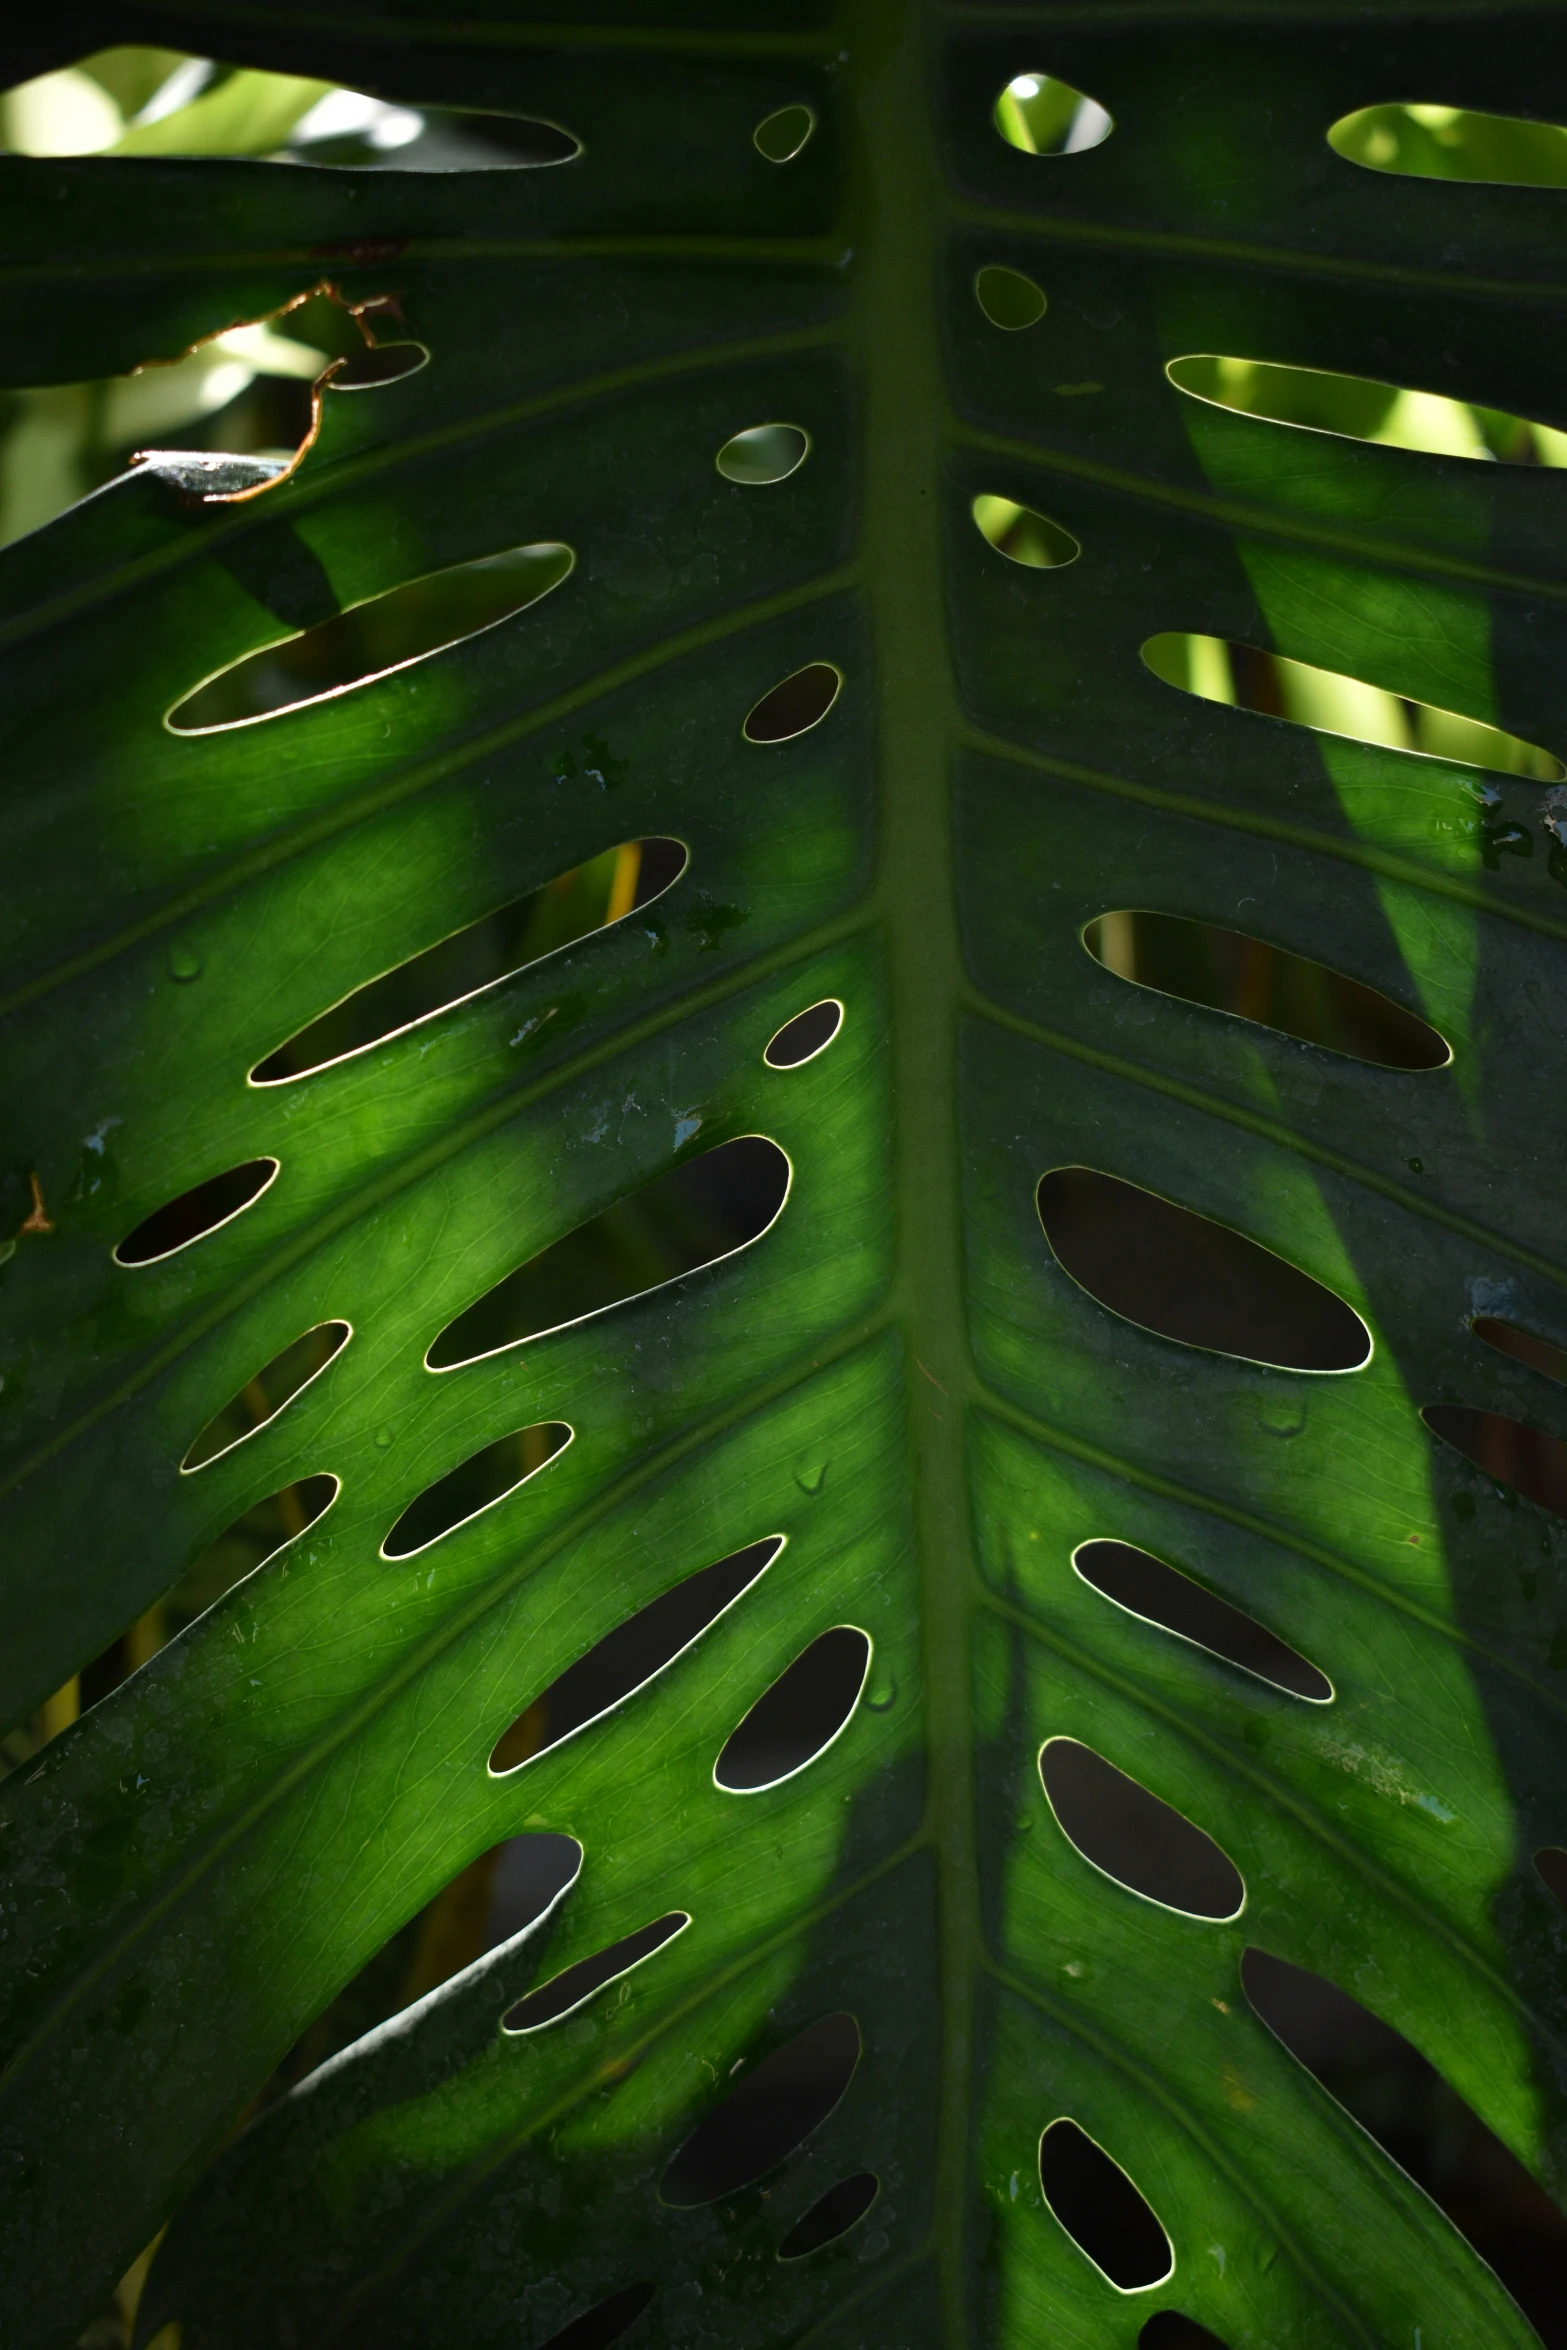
(1545, 1355)
(1133, 1579)
(1401, 2100)
(763, 454)
(762, 2122)
(372, 638)
(1104, 2212)
(474, 1486)
(577, 1984)
(1183, 1276)
(806, 1709)
(796, 704)
(263, 1396)
(605, 2323)
(1136, 1839)
(831, 2216)
(1328, 701)
(631, 1656)
(593, 896)
(1359, 407)
(1249, 978)
(694, 1216)
(1525, 1459)
(1422, 141)
(807, 1034)
(1025, 537)
(205, 1208)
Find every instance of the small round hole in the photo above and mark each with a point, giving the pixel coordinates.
(795, 704)
(807, 1034)
(1042, 116)
(1008, 298)
(763, 453)
(1024, 536)
(781, 135)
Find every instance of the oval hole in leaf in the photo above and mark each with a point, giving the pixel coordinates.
(1109, 2219)
(605, 2323)
(373, 638)
(575, 1985)
(475, 1485)
(1024, 536)
(1526, 1460)
(1328, 702)
(1146, 1587)
(1044, 116)
(1182, 1276)
(797, 1719)
(782, 134)
(1170, 2330)
(378, 364)
(1541, 1354)
(591, 896)
(1400, 2099)
(1135, 1839)
(1008, 298)
(832, 2215)
(1230, 971)
(180, 1222)
(1453, 143)
(1551, 1862)
(795, 704)
(263, 1397)
(771, 2113)
(807, 1034)
(683, 1221)
(1361, 408)
(763, 453)
(631, 1656)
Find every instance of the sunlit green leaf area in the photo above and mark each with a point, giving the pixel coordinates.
(783, 1301)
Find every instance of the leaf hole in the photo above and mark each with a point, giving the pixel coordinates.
(807, 1034)
(1229, 971)
(1400, 2099)
(128, 101)
(1108, 2218)
(1043, 116)
(204, 1209)
(605, 2323)
(1541, 1354)
(795, 704)
(474, 1486)
(263, 1396)
(1525, 1460)
(1326, 701)
(694, 1216)
(1135, 1839)
(763, 454)
(1454, 143)
(832, 2215)
(1362, 408)
(768, 2117)
(1008, 298)
(1551, 1863)
(805, 1710)
(374, 638)
(634, 1654)
(605, 889)
(1170, 2330)
(1023, 536)
(781, 135)
(576, 1985)
(1144, 1586)
(1185, 1277)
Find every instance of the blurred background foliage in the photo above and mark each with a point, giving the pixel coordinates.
(247, 391)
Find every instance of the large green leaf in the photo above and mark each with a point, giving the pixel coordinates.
(899, 1377)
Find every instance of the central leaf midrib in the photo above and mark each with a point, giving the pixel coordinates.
(899, 207)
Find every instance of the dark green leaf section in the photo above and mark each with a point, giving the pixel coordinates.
(897, 1377)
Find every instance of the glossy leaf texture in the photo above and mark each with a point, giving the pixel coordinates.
(966, 762)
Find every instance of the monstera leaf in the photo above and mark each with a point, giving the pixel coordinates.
(838, 522)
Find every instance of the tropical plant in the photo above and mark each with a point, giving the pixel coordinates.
(780, 1067)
